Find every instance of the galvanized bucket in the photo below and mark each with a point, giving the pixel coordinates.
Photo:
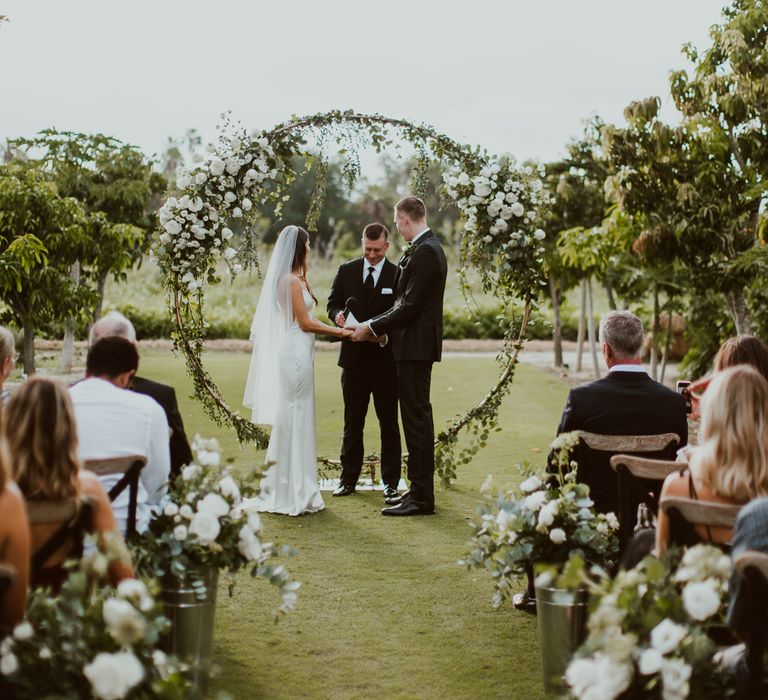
(191, 609)
(562, 617)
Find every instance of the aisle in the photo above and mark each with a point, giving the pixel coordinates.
(384, 611)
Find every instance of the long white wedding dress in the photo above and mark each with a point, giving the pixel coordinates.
(290, 485)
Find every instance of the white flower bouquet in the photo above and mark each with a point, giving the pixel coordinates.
(210, 521)
(90, 641)
(648, 629)
(547, 520)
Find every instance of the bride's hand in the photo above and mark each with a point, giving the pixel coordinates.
(345, 332)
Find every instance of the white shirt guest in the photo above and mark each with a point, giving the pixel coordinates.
(115, 422)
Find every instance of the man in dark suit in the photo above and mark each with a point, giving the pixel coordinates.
(365, 287)
(415, 327)
(115, 324)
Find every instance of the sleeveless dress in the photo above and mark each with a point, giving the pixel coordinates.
(290, 485)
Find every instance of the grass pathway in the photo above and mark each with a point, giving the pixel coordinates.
(384, 612)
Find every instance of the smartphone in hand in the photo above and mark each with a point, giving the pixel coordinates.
(683, 387)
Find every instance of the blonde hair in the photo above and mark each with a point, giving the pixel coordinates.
(732, 459)
(42, 440)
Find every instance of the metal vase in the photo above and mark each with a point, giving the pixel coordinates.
(562, 619)
(191, 608)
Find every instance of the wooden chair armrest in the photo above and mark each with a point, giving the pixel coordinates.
(628, 443)
(113, 465)
(702, 512)
(644, 468)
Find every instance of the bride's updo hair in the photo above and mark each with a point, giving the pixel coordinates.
(300, 265)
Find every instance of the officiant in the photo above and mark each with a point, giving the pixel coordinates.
(364, 288)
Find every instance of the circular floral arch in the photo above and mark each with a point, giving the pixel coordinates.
(498, 202)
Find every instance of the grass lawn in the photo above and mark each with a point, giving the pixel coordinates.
(384, 611)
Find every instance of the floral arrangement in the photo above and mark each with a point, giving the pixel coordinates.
(546, 521)
(90, 641)
(210, 521)
(499, 205)
(648, 630)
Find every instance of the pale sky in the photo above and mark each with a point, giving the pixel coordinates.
(513, 76)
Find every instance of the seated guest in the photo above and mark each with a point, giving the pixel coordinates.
(731, 463)
(115, 324)
(624, 402)
(749, 534)
(740, 350)
(14, 544)
(115, 422)
(7, 355)
(42, 441)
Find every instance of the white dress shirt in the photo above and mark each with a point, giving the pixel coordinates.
(115, 422)
(376, 270)
(419, 235)
(628, 368)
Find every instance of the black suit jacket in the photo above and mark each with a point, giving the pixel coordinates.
(349, 283)
(415, 322)
(621, 403)
(165, 395)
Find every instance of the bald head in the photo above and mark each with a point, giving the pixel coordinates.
(112, 325)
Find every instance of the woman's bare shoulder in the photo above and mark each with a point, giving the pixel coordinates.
(676, 484)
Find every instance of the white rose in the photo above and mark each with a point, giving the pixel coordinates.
(650, 661)
(674, 678)
(229, 197)
(535, 501)
(217, 166)
(9, 664)
(191, 470)
(113, 675)
(180, 533)
(532, 483)
(254, 522)
(247, 204)
(700, 600)
(6, 645)
(503, 519)
(228, 487)
(213, 504)
(186, 512)
(248, 544)
(45, 653)
(226, 234)
(488, 239)
(172, 227)
(171, 509)
(546, 516)
(539, 235)
(229, 253)
(132, 589)
(580, 675)
(200, 178)
(125, 624)
(237, 268)
(237, 212)
(205, 526)
(557, 535)
(23, 631)
(613, 521)
(613, 677)
(208, 459)
(667, 635)
(482, 187)
(517, 209)
(463, 179)
(165, 238)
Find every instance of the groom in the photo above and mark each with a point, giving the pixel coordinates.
(415, 327)
(365, 288)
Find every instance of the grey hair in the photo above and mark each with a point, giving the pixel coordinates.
(7, 344)
(623, 332)
(112, 324)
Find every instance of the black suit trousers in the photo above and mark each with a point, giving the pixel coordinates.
(414, 380)
(358, 384)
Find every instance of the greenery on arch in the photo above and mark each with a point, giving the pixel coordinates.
(500, 242)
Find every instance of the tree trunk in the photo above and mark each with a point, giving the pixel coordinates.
(667, 345)
(655, 333)
(608, 284)
(591, 330)
(582, 322)
(100, 285)
(68, 346)
(28, 351)
(557, 336)
(737, 305)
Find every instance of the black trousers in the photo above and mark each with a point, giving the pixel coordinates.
(414, 380)
(358, 384)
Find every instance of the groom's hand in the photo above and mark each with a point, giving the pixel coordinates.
(340, 320)
(361, 333)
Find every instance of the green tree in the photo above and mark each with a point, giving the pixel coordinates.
(41, 235)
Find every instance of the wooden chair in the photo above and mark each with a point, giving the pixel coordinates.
(74, 516)
(639, 480)
(685, 513)
(753, 569)
(130, 467)
(629, 443)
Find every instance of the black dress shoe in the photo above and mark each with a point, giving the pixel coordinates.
(390, 492)
(523, 601)
(344, 490)
(409, 507)
(397, 498)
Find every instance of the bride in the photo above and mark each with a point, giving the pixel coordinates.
(281, 384)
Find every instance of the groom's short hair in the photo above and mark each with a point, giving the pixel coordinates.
(373, 232)
(412, 207)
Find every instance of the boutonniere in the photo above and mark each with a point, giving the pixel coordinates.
(407, 251)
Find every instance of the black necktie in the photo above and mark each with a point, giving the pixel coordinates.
(369, 280)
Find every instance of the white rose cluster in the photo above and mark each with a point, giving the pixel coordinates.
(599, 677)
(112, 676)
(225, 185)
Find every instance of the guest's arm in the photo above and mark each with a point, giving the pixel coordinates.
(14, 547)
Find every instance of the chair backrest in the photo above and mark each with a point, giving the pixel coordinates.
(73, 515)
(639, 480)
(683, 513)
(130, 467)
(753, 568)
(629, 443)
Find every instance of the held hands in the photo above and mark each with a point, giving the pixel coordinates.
(345, 333)
(362, 333)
